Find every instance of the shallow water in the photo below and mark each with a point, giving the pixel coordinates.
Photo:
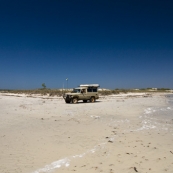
(159, 118)
(170, 99)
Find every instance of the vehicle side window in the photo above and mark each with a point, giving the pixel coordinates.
(94, 90)
(89, 90)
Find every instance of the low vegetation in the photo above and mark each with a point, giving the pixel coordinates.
(146, 90)
(60, 92)
(44, 91)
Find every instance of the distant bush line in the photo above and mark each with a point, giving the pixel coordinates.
(59, 92)
(49, 92)
(118, 91)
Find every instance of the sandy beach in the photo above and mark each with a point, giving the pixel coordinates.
(123, 133)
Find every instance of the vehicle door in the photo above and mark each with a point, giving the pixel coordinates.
(83, 94)
(89, 93)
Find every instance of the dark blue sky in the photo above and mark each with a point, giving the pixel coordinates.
(116, 43)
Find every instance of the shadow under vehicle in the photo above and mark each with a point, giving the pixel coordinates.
(86, 92)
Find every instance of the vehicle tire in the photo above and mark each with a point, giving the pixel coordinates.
(67, 101)
(92, 99)
(84, 101)
(74, 100)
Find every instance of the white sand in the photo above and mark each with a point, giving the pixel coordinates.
(114, 135)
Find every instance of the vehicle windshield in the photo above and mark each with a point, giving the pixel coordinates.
(76, 91)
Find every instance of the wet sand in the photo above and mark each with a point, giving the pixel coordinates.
(115, 134)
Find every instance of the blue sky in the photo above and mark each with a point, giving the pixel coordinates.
(116, 43)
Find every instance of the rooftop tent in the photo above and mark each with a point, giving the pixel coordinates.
(89, 85)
